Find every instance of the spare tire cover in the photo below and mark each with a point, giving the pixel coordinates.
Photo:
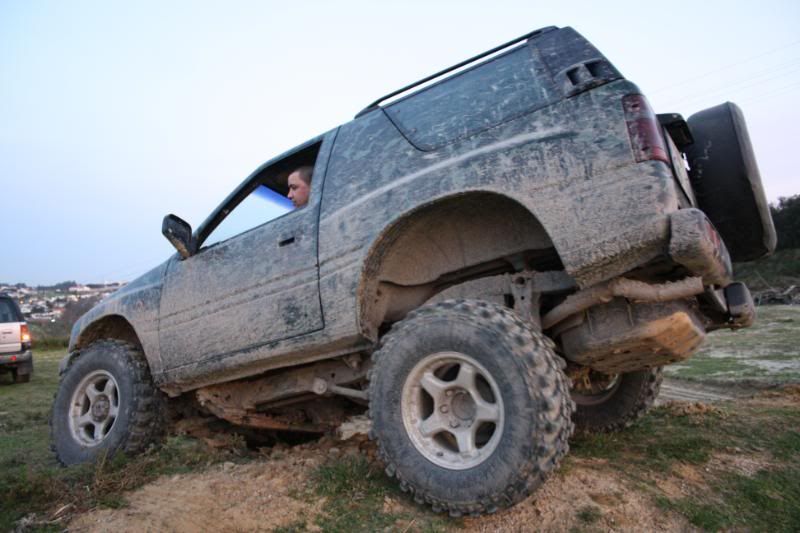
(727, 184)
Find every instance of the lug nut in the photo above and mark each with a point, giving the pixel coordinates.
(444, 409)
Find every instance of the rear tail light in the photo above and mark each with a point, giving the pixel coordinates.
(24, 334)
(644, 130)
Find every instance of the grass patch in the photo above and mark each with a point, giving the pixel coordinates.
(295, 527)
(356, 495)
(769, 500)
(656, 442)
(589, 514)
(703, 367)
(42, 487)
(49, 335)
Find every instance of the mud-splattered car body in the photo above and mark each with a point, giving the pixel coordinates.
(527, 157)
(538, 179)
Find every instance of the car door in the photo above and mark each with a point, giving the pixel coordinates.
(255, 288)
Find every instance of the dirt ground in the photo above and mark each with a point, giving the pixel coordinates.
(263, 495)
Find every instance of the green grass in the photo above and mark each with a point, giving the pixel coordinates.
(355, 492)
(769, 501)
(24, 411)
(589, 514)
(666, 438)
(33, 482)
(657, 442)
(49, 335)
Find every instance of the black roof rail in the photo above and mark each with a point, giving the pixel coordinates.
(374, 105)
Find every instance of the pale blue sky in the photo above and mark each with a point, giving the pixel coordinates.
(113, 114)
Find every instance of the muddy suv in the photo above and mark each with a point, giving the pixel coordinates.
(488, 258)
(15, 342)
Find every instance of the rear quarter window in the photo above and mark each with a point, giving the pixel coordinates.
(501, 89)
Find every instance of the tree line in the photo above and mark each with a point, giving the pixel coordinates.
(786, 215)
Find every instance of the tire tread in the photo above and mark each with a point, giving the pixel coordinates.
(554, 415)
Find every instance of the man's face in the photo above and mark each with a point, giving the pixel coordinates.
(298, 190)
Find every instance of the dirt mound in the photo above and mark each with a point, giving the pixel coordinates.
(280, 488)
(258, 496)
(587, 493)
(695, 408)
(789, 392)
(268, 494)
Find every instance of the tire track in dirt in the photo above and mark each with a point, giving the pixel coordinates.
(683, 391)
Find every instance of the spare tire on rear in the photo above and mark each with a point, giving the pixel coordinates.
(726, 181)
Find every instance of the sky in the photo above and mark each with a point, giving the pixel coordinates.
(114, 114)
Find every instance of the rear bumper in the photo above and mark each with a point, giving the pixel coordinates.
(695, 244)
(21, 361)
(626, 334)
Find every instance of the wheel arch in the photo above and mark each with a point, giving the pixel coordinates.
(111, 326)
(443, 243)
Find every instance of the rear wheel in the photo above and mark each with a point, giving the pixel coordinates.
(469, 407)
(20, 378)
(611, 402)
(106, 402)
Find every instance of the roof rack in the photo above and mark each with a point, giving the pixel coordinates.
(374, 105)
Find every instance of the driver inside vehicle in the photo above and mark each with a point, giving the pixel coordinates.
(300, 186)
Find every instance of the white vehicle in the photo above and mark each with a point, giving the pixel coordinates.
(15, 342)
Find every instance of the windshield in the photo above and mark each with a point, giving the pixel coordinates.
(8, 311)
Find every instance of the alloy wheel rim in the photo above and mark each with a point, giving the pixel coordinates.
(452, 410)
(94, 408)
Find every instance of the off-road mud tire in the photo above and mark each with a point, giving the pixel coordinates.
(535, 395)
(141, 417)
(631, 398)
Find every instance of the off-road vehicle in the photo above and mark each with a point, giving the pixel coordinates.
(505, 250)
(16, 356)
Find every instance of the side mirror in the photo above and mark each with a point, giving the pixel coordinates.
(179, 233)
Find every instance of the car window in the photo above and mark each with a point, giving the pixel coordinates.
(7, 311)
(472, 101)
(259, 207)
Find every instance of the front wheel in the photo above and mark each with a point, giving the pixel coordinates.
(106, 402)
(469, 406)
